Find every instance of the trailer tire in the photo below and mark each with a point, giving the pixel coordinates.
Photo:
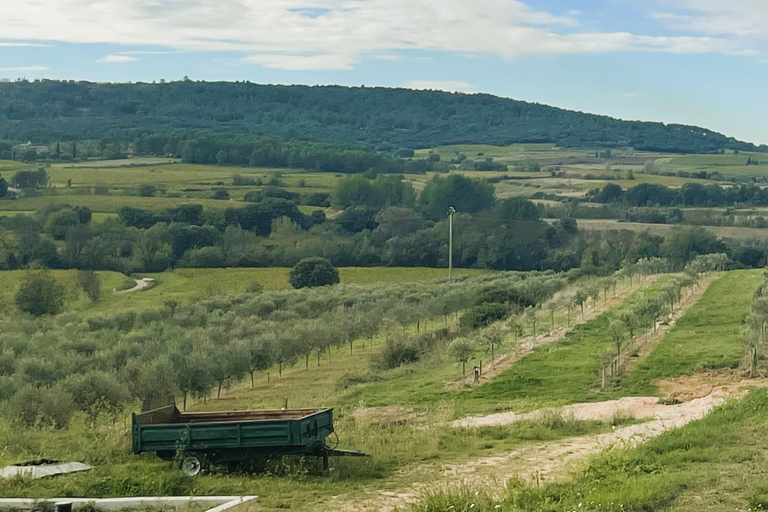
(192, 464)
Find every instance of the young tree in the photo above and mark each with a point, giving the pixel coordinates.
(552, 306)
(516, 326)
(40, 294)
(492, 337)
(579, 299)
(461, 349)
(530, 315)
(149, 380)
(228, 362)
(190, 371)
(261, 350)
(629, 320)
(616, 330)
(89, 282)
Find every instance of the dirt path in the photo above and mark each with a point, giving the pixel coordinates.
(526, 345)
(543, 462)
(140, 285)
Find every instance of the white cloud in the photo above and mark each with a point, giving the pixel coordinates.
(280, 34)
(448, 85)
(303, 62)
(116, 59)
(741, 18)
(22, 44)
(24, 69)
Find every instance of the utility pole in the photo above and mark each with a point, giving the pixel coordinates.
(451, 213)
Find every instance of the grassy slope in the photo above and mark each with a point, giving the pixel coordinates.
(707, 336)
(714, 464)
(74, 299)
(558, 373)
(186, 285)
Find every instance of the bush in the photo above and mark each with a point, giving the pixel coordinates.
(221, 194)
(40, 294)
(349, 380)
(43, 406)
(394, 354)
(89, 282)
(148, 191)
(312, 272)
(483, 315)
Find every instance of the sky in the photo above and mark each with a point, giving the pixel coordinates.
(701, 62)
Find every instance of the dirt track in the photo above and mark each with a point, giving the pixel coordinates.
(537, 463)
(543, 462)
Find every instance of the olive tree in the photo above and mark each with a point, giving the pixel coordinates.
(461, 349)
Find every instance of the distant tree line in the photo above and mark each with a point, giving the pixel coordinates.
(386, 119)
(690, 194)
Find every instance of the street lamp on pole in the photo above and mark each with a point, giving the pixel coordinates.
(451, 213)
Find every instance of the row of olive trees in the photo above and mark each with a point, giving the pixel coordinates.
(756, 328)
(179, 350)
(646, 313)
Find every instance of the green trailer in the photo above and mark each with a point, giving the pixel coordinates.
(197, 440)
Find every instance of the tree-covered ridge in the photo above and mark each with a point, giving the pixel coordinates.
(49, 111)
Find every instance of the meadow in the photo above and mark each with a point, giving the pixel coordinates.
(190, 285)
(664, 229)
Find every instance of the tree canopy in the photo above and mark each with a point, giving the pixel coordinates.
(390, 119)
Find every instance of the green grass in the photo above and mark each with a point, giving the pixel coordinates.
(189, 285)
(707, 336)
(74, 297)
(729, 164)
(714, 464)
(555, 374)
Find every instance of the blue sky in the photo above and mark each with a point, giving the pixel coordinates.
(701, 62)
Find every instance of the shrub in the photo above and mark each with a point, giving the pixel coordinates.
(394, 354)
(43, 406)
(312, 272)
(89, 282)
(221, 194)
(148, 191)
(40, 294)
(349, 380)
(483, 315)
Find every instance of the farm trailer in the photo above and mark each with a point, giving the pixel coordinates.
(197, 440)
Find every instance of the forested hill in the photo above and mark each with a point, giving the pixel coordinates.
(49, 111)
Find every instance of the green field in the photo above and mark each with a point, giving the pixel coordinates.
(74, 297)
(729, 164)
(706, 337)
(665, 229)
(190, 285)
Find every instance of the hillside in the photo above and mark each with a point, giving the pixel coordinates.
(51, 111)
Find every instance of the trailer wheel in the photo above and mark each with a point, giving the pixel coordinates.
(192, 465)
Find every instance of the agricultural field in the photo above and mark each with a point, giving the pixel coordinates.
(729, 164)
(664, 229)
(605, 350)
(412, 419)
